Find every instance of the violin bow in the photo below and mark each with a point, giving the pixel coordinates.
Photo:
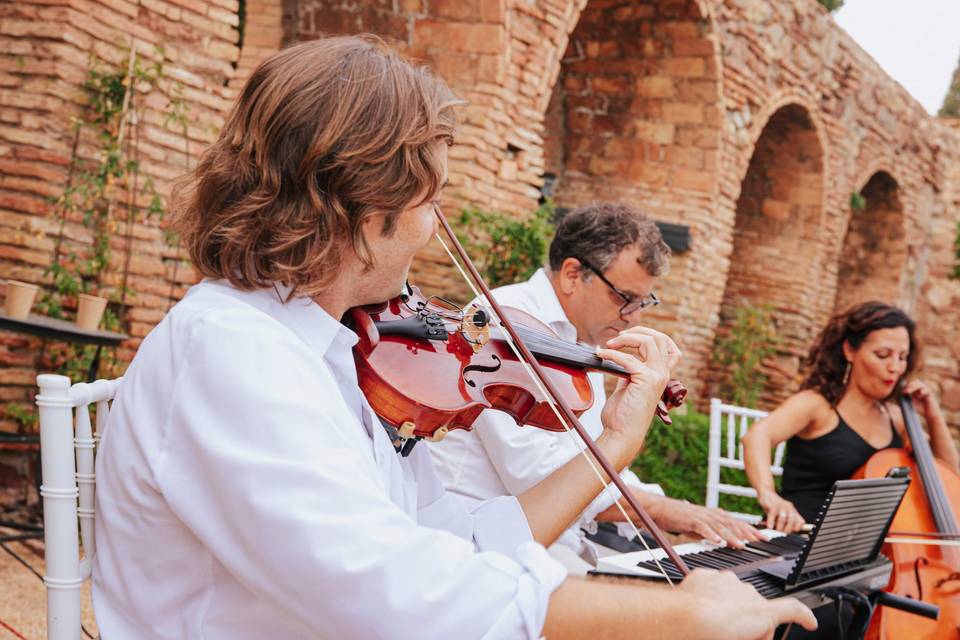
(569, 418)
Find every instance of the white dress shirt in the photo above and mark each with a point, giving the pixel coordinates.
(245, 490)
(498, 458)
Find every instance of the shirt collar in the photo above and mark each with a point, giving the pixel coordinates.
(314, 323)
(551, 311)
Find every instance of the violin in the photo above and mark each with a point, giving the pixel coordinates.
(929, 573)
(469, 366)
(427, 366)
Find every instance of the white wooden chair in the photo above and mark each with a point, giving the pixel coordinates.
(728, 424)
(67, 448)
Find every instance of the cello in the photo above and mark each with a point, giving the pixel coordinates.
(926, 572)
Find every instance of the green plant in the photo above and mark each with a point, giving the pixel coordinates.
(741, 351)
(675, 457)
(832, 5)
(26, 418)
(951, 102)
(506, 249)
(108, 122)
(857, 201)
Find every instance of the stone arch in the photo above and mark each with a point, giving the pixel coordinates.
(635, 114)
(779, 209)
(875, 248)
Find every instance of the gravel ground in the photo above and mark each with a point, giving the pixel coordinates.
(23, 602)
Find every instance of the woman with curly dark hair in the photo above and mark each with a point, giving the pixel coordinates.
(845, 412)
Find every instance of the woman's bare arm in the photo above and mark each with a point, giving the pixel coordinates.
(789, 419)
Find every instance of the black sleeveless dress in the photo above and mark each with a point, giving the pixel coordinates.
(811, 466)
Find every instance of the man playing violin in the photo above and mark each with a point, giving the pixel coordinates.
(245, 488)
(604, 262)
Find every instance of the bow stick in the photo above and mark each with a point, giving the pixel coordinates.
(554, 398)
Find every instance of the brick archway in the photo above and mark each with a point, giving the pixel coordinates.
(780, 208)
(635, 115)
(875, 249)
(634, 112)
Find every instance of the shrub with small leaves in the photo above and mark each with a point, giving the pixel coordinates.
(832, 5)
(857, 201)
(675, 457)
(741, 351)
(506, 249)
(24, 417)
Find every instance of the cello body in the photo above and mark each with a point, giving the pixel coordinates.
(929, 573)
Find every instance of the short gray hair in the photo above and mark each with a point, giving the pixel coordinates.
(599, 231)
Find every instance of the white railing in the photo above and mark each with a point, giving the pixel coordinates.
(67, 449)
(728, 425)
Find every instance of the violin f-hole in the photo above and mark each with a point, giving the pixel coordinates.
(482, 368)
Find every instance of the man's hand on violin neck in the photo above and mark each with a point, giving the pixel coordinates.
(648, 356)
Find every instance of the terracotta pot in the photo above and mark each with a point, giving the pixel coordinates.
(90, 311)
(20, 297)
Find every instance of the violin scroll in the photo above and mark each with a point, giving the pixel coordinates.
(672, 398)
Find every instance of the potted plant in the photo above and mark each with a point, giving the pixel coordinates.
(90, 310)
(20, 296)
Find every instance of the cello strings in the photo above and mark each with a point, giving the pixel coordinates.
(923, 455)
(593, 466)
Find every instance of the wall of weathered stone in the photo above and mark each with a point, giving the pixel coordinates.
(750, 121)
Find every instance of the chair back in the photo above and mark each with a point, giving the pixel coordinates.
(728, 424)
(67, 448)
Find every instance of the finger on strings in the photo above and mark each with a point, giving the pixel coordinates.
(665, 342)
(632, 340)
(640, 329)
(629, 363)
(642, 349)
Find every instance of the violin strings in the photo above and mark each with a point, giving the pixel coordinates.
(593, 466)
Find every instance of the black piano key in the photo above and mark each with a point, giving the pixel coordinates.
(740, 556)
(702, 560)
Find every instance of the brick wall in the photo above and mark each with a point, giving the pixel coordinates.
(750, 121)
(637, 118)
(45, 49)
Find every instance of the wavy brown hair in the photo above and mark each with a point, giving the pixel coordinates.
(325, 134)
(826, 361)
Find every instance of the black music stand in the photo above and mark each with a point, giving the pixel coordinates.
(848, 533)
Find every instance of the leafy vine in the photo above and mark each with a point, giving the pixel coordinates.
(96, 181)
(751, 339)
(508, 250)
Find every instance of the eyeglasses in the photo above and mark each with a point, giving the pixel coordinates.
(630, 303)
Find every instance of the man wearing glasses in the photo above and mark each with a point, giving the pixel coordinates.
(604, 262)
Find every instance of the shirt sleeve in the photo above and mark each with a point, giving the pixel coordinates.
(261, 461)
(523, 456)
(497, 524)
